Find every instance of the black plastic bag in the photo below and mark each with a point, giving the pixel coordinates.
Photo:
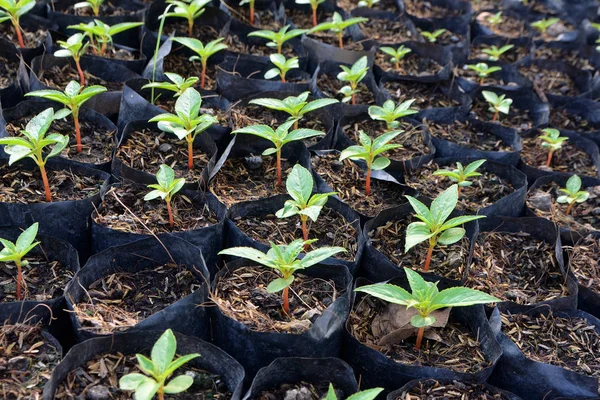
(319, 52)
(491, 390)
(13, 93)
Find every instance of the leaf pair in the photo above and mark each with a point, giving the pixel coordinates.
(461, 174)
(178, 84)
(483, 70)
(369, 150)
(282, 66)
(14, 9)
(432, 37)
(338, 24)
(203, 52)
(552, 140)
(277, 39)
(167, 185)
(24, 244)
(396, 54)
(495, 53)
(391, 114)
(498, 104)
(72, 98)
(573, 192)
(295, 106)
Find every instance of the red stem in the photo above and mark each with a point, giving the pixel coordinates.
(368, 186)
(549, 159)
(279, 183)
(80, 72)
(341, 40)
(286, 303)
(495, 118)
(428, 259)
(398, 64)
(170, 211)
(46, 184)
(570, 207)
(420, 337)
(314, 16)
(18, 32)
(190, 153)
(19, 278)
(203, 76)
(251, 15)
(77, 130)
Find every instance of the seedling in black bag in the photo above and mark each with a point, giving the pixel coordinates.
(461, 174)
(178, 84)
(282, 66)
(73, 47)
(353, 76)
(251, 6)
(396, 54)
(15, 252)
(495, 53)
(498, 104)
(72, 98)
(284, 259)
(573, 194)
(434, 224)
(34, 143)
(13, 10)
(189, 10)
(101, 34)
(157, 370)
(369, 394)
(425, 298)
(93, 4)
(299, 185)
(367, 3)
(543, 24)
(337, 26)
(483, 70)
(391, 114)
(496, 19)
(166, 188)
(552, 141)
(295, 106)
(187, 122)
(203, 53)
(277, 39)
(432, 37)
(369, 151)
(314, 4)
(279, 137)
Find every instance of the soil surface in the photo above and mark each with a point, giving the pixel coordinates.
(509, 27)
(330, 86)
(433, 390)
(569, 158)
(303, 20)
(386, 31)
(584, 259)
(482, 5)
(412, 64)
(425, 95)
(333, 40)
(570, 56)
(550, 81)
(303, 390)
(236, 45)
(424, 9)
(385, 5)
(115, 54)
(58, 77)
(561, 119)
(466, 135)
(179, 64)
(106, 10)
(8, 72)
(30, 39)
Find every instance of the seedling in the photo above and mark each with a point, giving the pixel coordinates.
(299, 185)
(396, 54)
(284, 259)
(314, 4)
(573, 194)
(177, 84)
(495, 53)
(251, 6)
(434, 224)
(157, 370)
(461, 174)
(369, 394)
(425, 298)
(93, 4)
(277, 39)
(203, 53)
(391, 114)
(16, 251)
(166, 188)
(72, 98)
(13, 10)
(483, 70)
(189, 10)
(337, 26)
(34, 143)
(598, 42)
(496, 19)
(432, 37)
(282, 66)
(101, 34)
(543, 24)
(498, 104)
(187, 122)
(552, 140)
(73, 47)
(369, 151)
(353, 76)
(279, 137)
(367, 3)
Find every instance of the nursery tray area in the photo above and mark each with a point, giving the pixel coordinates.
(412, 64)
(568, 158)
(465, 134)
(43, 279)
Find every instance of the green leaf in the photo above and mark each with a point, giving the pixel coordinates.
(418, 321)
(163, 351)
(574, 184)
(249, 253)
(145, 364)
(146, 390)
(380, 163)
(388, 292)
(289, 209)
(179, 384)
(460, 297)
(132, 381)
(320, 254)
(417, 284)
(443, 205)
(300, 134)
(180, 362)
(463, 219)
(38, 125)
(279, 284)
(165, 176)
(331, 391)
(299, 184)
(26, 238)
(273, 104)
(316, 104)
(416, 233)
(312, 212)
(451, 236)
(262, 131)
(369, 394)
(420, 208)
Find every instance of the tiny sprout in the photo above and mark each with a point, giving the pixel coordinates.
(35, 142)
(72, 98)
(495, 53)
(461, 174)
(277, 39)
(284, 259)
(189, 10)
(177, 84)
(552, 140)
(425, 298)
(337, 26)
(369, 394)
(353, 75)
(282, 66)
(158, 370)
(93, 4)
(543, 24)
(203, 53)
(598, 42)
(572, 193)
(432, 37)
(496, 19)
(251, 6)
(483, 70)
(367, 3)
(101, 34)
(391, 114)
(16, 251)
(396, 54)
(166, 188)
(314, 4)
(299, 185)
(13, 10)
(433, 224)
(498, 104)
(73, 47)
(369, 150)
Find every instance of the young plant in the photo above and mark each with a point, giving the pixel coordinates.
(543, 24)
(396, 54)
(101, 34)
(369, 151)
(166, 188)
(353, 76)
(425, 298)
(157, 370)
(295, 106)
(552, 141)
(434, 224)
(367, 3)
(279, 137)
(282, 66)
(369, 394)
(187, 122)
(16, 251)
(337, 26)
(299, 185)
(573, 194)
(13, 10)
(483, 71)
(314, 4)
(391, 114)
(498, 104)
(461, 174)
(251, 6)
(178, 84)
(432, 37)
(284, 259)
(203, 53)
(277, 39)
(189, 10)
(34, 143)
(72, 98)
(93, 4)
(73, 47)
(495, 53)
(598, 43)
(496, 19)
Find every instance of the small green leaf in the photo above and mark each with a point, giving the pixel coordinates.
(178, 384)
(279, 284)
(418, 321)
(387, 292)
(163, 351)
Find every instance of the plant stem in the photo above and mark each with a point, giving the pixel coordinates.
(154, 59)
(429, 253)
(160, 394)
(45, 181)
(170, 211)
(368, 185)
(283, 77)
(495, 118)
(481, 81)
(303, 219)
(353, 86)
(279, 183)
(549, 159)
(190, 27)
(397, 64)
(279, 48)
(77, 129)
(19, 278)
(341, 39)
(190, 153)
(459, 187)
(286, 303)
(419, 337)
(296, 125)
(18, 32)
(203, 76)
(571, 204)
(80, 72)
(251, 14)
(314, 15)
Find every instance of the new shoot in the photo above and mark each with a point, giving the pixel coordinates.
(314, 4)
(15, 252)
(461, 174)
(282, 66)
(573, 193)
(498, 104)
(391, 114)
(496, 19)
(337, 25)
(543, 24)
(353, 76)
(13, 10)
(74, 47)
(277, 39)
(396, 54)
(552, 141)
(495, 53)
(101, 34)
(369, 394)
(165, 188)
(93, 4)
(432, 37)
(178, 84)
(188, 10)
(203, 53)
(483, 71)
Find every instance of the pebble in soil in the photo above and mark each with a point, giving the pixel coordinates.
(431, 389)
(465, 134)
(584, 258)
(569, 158)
